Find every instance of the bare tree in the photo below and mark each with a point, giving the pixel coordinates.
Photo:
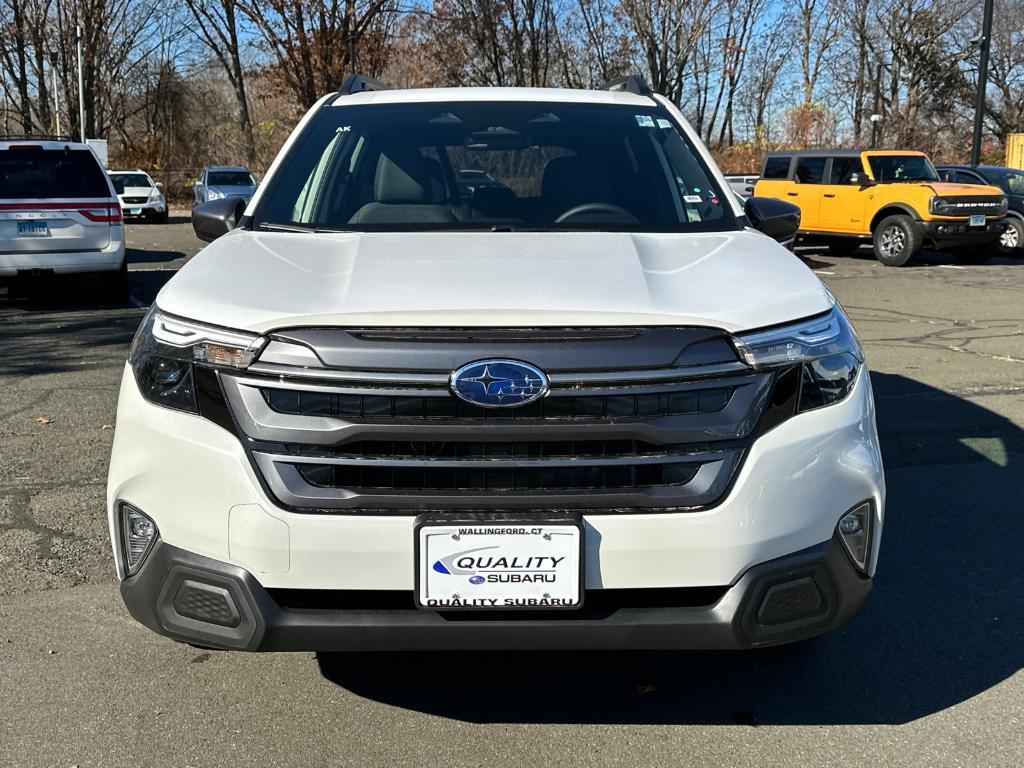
(217, 25)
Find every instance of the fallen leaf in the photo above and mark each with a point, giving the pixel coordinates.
(42, 420)
(107, 426)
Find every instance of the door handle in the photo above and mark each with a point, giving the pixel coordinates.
(828, 194)
(792, 194)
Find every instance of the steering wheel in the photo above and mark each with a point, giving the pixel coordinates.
(585, 208)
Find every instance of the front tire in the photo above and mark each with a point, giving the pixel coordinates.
(1011, 242)
(897, 240)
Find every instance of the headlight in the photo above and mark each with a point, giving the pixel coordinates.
(166, 349)
(214, 194)
(1004, 204)
(941, 207)
(825, 347)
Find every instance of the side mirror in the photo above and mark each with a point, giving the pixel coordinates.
(217, 217)
(776, 218)
(159, 185)
(860, 179)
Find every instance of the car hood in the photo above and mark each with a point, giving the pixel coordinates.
(264, 281)
(234, 191)
(945, 188)
(135, 192)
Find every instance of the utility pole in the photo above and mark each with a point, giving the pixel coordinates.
(876, 112)
(979, 104)
(81, 95)
(56, 104)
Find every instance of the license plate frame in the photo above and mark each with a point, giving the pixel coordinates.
(427, 550)
(33, 229)
(977, 220)
(134, 211)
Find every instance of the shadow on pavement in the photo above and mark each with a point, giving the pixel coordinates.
(945, 622)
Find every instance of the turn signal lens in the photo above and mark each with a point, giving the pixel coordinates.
(854, 530)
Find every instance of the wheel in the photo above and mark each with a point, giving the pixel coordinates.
(846, 246)
(160, 218)
(1011, 242)
(897, 240)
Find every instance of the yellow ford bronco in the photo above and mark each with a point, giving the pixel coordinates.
(893, 197)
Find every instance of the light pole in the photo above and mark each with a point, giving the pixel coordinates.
(56, 104)
(81, 95)
(979, 104)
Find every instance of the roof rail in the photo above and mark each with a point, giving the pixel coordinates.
(629, 84)
(36, 137)
(358, 83)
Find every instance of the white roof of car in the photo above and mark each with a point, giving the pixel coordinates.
(44, 143)
(403, 96)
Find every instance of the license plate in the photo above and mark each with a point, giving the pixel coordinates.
(33, 229)
(134, 211)
(977, 220)
(487, 565)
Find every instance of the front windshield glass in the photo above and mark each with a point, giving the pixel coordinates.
(122, 180)
(1011, 182)
(494, 165)
(230, 179)
(902, 168)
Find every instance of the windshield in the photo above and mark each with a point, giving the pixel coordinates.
(122, 180)
(494, 165)
(1011, 182)
(230, 179)
(33, 172)
(902, 168)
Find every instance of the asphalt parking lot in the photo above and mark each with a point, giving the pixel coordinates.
(929, 675)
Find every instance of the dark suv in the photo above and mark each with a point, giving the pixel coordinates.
(1011, 181)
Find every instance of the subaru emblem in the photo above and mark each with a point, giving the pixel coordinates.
(499, 383)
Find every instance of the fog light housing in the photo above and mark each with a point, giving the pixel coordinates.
(854, 530)
(138, 533)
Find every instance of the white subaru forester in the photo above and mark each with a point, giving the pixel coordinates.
(592, 403)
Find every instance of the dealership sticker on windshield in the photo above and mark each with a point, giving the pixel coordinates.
(645, 121)
(495, 566)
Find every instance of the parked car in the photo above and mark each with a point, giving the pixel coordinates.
(1011, 181)
(894, 199)
(610, 413)
(220, 181)
(742, 183)
(140, 196)
(59, 213)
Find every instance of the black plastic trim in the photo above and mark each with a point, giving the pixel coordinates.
(729, 623)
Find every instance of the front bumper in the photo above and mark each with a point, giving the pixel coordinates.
(143, 209)
(203, 601)
(958, 233)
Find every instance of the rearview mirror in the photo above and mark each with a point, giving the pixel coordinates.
(776, 218)
(217, 217)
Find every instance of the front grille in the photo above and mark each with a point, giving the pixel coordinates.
(430, 478)
(521, 449)
(135, 200)
(672, 403)
(965, 205)
(636, 420)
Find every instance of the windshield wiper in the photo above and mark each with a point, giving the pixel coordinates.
(273, 226)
